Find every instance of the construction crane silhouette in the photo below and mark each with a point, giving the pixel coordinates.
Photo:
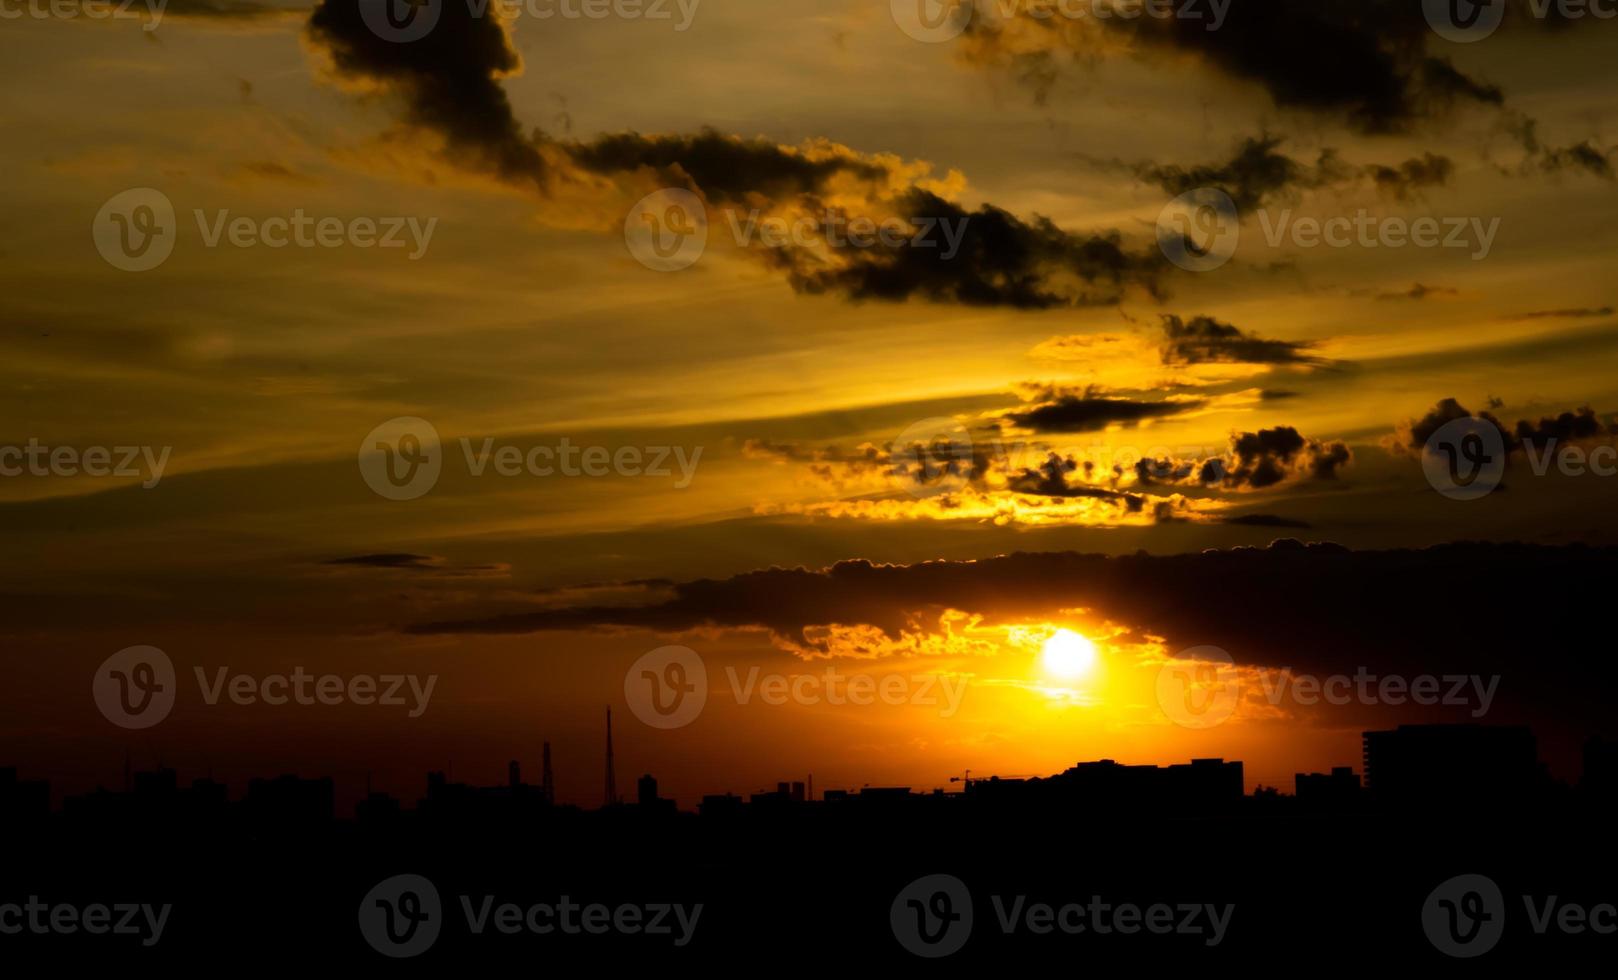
(967, 779)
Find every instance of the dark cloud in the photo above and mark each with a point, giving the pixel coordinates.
(1266, 520)
(1571, 313)
(450, 84)
(724, 168)
(1266, 457)
(1566, 427)
(1524, 617)
(1518, 611)
(449, 81)
(1583, 156)
(1365, 61)
(1050, 479)
(407, 562)
(1580, 156)
(1412, 176)
(1204, 340)
(388, 560)
(226, 10)
(1412, 434)
(949, 455)
(1001, 260)
(269, 170)
(1254, 461)
(1410, 437)
(1258, 172)
(1089, 411)
(1419, 291)
(1255, 173)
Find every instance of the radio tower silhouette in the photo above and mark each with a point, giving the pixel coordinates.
(612, 790)
(548, 780)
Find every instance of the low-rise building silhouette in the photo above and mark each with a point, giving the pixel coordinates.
(1338, 790)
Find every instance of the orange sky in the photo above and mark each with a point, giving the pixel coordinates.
(786, 404)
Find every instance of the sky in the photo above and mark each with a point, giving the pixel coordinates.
(1103, 327)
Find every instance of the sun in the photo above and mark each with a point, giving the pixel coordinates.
(1069, 655)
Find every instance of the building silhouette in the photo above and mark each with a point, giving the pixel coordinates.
(1451, 765)
(1338, 790)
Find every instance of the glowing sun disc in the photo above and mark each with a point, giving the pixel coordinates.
(1067, 654)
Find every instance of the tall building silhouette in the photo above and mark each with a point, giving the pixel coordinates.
(612, 787)
(1451, 764)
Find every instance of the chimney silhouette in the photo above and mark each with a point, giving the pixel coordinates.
(612, 790)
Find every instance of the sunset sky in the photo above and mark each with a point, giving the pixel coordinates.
(810, 389)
